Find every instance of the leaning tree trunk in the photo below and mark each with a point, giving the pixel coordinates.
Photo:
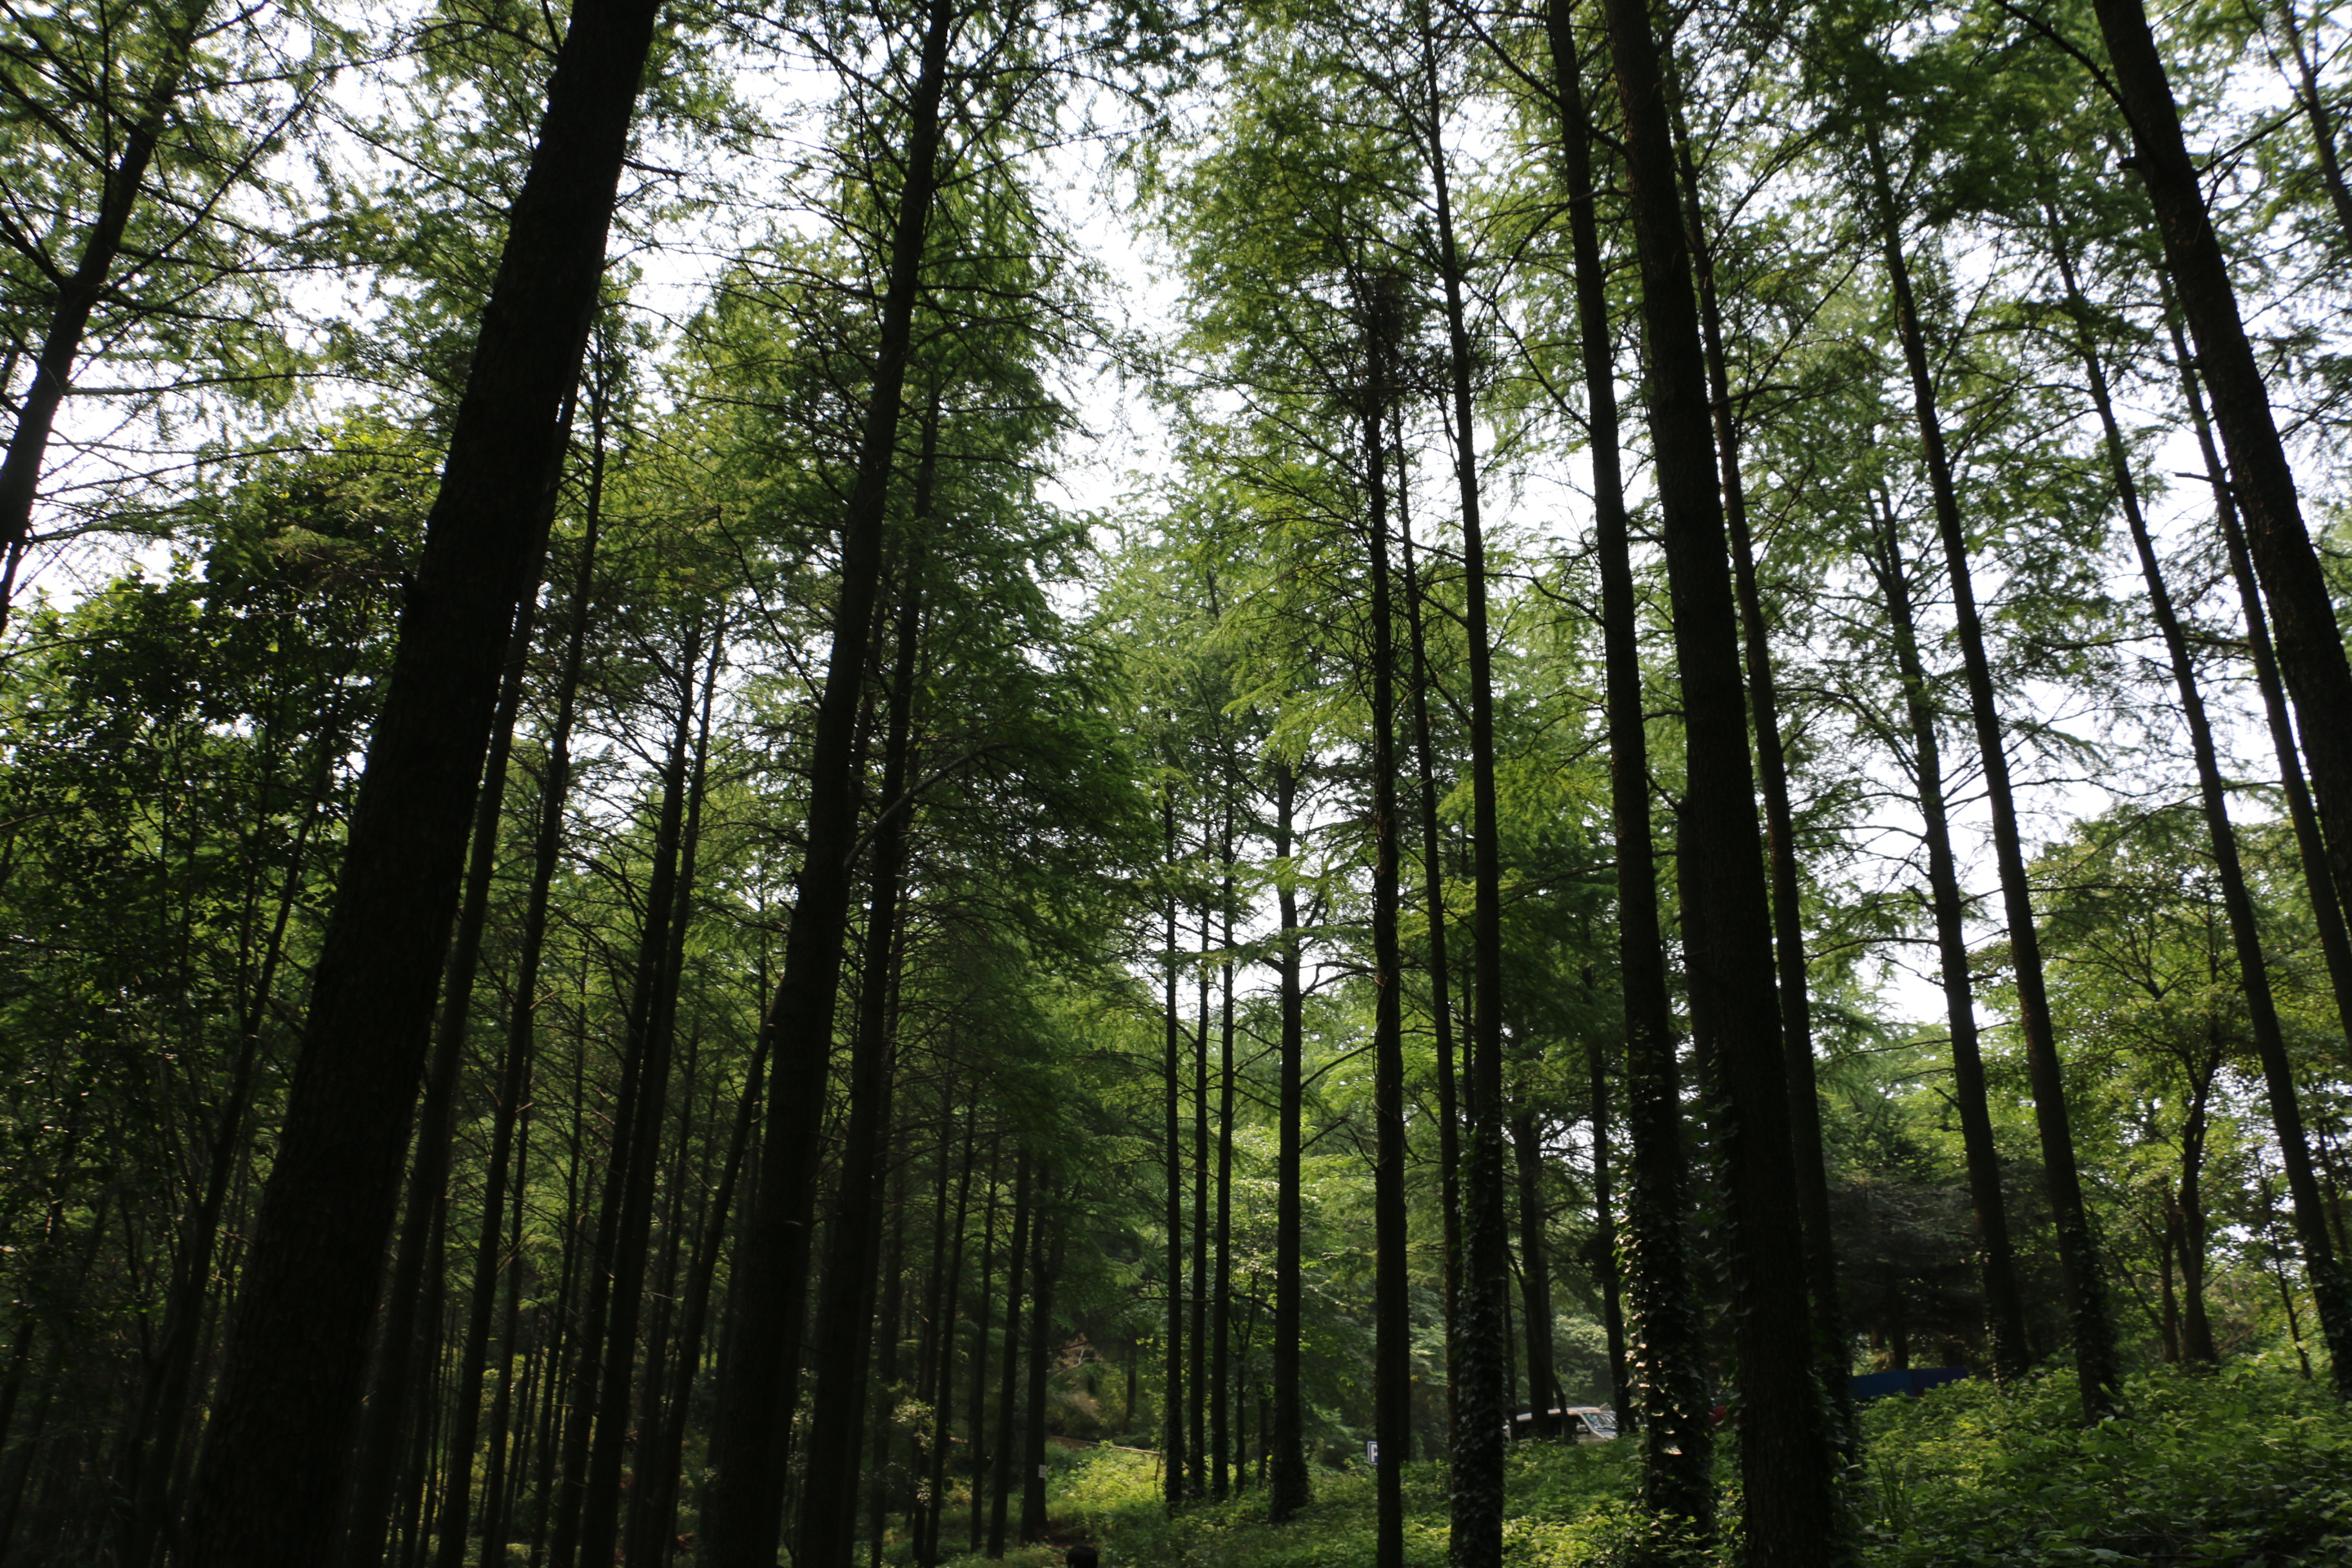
(277, 1447)
(79, 293)
(2331, 1290)
(1669, 1359)
(2310, 643)
(2326, 898)
(741, 1514)
(2080, 1271)
(1788, 1462)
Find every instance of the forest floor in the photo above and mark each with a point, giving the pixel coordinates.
(2248, 1467)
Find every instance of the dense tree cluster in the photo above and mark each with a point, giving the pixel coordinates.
(1711, 756)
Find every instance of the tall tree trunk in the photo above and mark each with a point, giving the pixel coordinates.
(1046, 1264)
(277, 1447)
(1787, 1460)
(1172, 1416)
(1996, 1259)
(79, 292)
(1432, 886)
(1482, 1365)
(1780, 839)
(1535, 1272)
(406, 1330)
(741, 1517)
(2310, 643)
(514, 1073)
(1222, 1316)
(882, 1396)
(2326, 896)
(1391, 1284)
(2080, 1271)
(940, 1436)
(636, 1153)
(1008, 1409)
(1669, 1359)
(828, 1524)
(2331, 1290)
(1288, 1487)
(975, 1429)
(2188, 1205)
(1198, 1449)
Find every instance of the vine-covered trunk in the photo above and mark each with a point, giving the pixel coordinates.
(1668, 1363)
(1788, 1463)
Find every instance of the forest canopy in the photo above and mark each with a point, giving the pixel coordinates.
(1312, 782)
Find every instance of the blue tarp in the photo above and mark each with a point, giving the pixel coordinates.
(1915, 1379)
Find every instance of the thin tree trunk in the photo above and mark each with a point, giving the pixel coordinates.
(1996, 1259)
(1788, 1463)
(741, 1515)
(2326, 898)
(637, 1138)
(1668, 1367)
(1198, 1449)
(828, 1524)
(2310, 643)
(1008, 1409)
(384, 1423)
(1604, 1243)
(1391, 1284)
(277, 1448)
(882, 1396)
(514, 1077)
(1221, 1326)
(975, 1429)
(1535, 1273)
(927, 1543)
(1433, 883)
(1482, 1363)
(80, 292)
(1046, 1264)
(2331, 1290)
(2081, 1274)
(1289, 1488)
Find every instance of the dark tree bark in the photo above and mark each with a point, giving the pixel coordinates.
(927, 1531)
(2326, 898)
(2331, 1290)
(1668, 1365)
(828, 1522)
(1172, 1416)
(514, 1075)
(741, 1518)
(1197, 1484)
(1996, 1259)
(1482, 1369)
(1441, 1007)
(1008, 1407)
(879, 1396)
(1046, 1264)
(1535, 1272)
(279, 1441)
(1391, 1298)
(1780, 839)
(80, 292)
(2310, 643)
(1221, 1316)
(1788, 1463)
(1288, 1489)
(2079, 1270)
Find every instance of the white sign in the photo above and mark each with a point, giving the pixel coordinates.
(1371, 1450)
(1041, 1472)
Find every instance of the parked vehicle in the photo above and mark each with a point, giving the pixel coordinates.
(1575, 1422)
